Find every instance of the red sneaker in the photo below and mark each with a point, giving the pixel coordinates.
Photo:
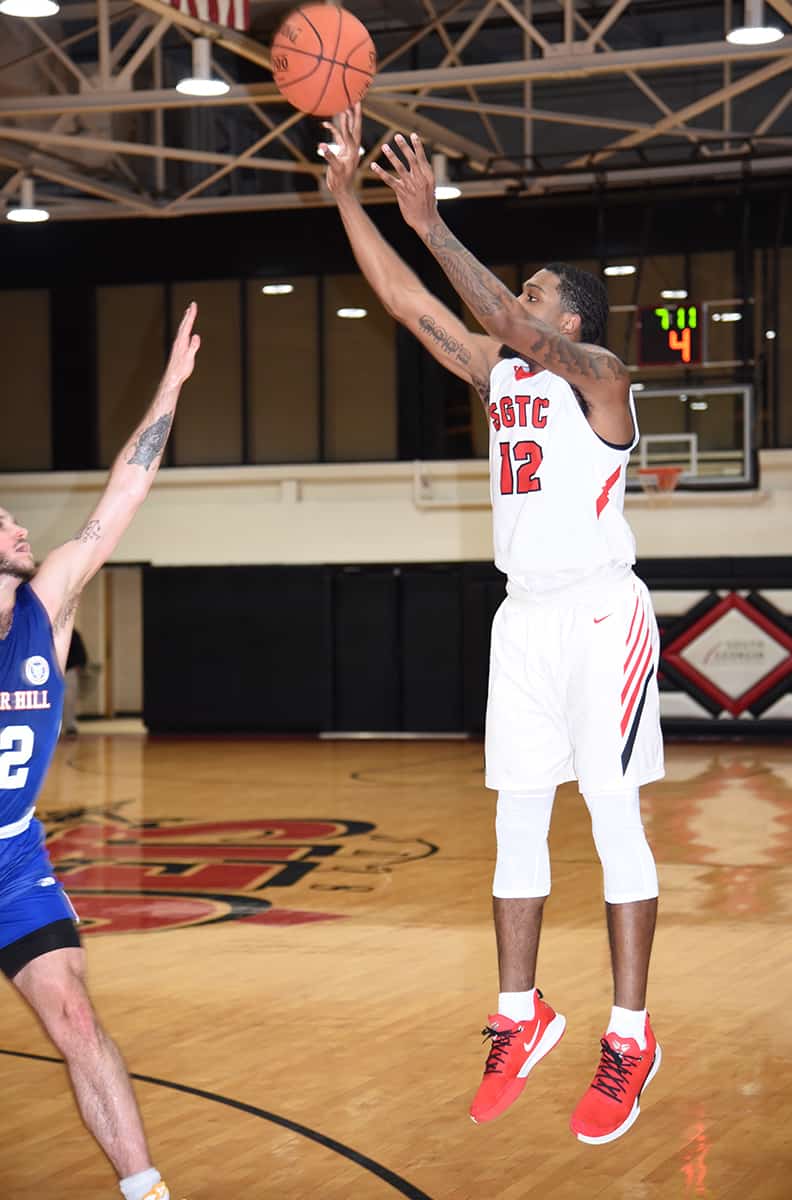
(610, 1106)
(517, 1046)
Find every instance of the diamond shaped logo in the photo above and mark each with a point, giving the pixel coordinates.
(734, 654)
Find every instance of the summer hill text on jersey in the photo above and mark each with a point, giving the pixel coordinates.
(31, 703)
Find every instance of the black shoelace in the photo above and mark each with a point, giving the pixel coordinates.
(613, 1073)
(501, 1044)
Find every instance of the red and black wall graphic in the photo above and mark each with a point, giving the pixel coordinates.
(726, 644)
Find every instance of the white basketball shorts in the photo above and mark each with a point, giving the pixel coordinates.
(573, 688)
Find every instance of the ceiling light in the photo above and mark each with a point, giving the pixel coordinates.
(699, 405)
(754, 32)
(674, 294)
(727, 316)
(352, 314)
(28, 8)
(201, 83)
(26, 212)
(334, 148)
(444, 190)
(770, 334)
(621, 269)
(277, 289)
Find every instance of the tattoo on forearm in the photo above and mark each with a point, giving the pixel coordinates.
(452, 346)
(151, 441)
(484, 294)
(67, 612)
(557, 352)
(89, 533)
(482, 291)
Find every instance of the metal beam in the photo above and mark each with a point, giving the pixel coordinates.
(141, 149)
(457, 61)
(133, 101)
(246, 158)
(783, 8)
(563, 66)
(526, 25)
(421, 34)
(103, 15)
(149, 43)
(59, 53)
(636, 79)
(399, 116)
(610, 18)
(737, 88)
(775, 112)
(229, 39)
(258, 202)
(50, 168)
(128, 38)
(595, 122)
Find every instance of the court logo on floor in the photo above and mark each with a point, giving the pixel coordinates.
(127, 876)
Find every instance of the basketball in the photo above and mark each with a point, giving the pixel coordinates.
(323, 59)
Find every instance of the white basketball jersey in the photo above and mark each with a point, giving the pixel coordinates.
(557, 487)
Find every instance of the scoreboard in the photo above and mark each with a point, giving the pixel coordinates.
(669, 336)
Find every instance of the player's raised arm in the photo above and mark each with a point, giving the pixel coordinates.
(468, 355)
(66, 569)
(599, 375)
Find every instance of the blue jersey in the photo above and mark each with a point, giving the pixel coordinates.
(31, 704)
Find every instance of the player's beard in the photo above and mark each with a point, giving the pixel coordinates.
(16, 570)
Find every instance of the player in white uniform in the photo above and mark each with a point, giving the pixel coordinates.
(573, 672)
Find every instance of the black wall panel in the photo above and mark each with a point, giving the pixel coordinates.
(431, 639)
(405, 648)
(237, 648)
(367, 649)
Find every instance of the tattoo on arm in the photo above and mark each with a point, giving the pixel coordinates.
(562, 355)
(151, 441)
(91, 532)
(482, 291)
(450, 345)
(485, 295)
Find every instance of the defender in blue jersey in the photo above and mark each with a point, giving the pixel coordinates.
(39, 943)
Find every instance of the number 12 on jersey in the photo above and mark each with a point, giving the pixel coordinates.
(529, 457)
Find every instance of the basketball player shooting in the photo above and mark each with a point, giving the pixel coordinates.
(574, 649)
(39, 944)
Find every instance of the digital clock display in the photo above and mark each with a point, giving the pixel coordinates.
(669, 336)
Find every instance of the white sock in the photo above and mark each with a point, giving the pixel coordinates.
(517, 1006)
(628, 1023)
(135, 1187)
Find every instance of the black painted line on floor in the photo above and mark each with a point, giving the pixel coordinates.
(362, 1160)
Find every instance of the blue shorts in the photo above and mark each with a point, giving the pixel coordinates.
(36, 915)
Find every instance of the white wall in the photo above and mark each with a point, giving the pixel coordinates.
(381, 512)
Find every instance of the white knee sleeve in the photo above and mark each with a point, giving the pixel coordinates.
(628, 866)
(522, 869)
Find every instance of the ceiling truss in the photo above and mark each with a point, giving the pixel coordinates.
(523, 96)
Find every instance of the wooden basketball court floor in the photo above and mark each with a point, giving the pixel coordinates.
(301, 1002)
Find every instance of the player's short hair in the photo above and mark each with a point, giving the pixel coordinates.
(582, 293)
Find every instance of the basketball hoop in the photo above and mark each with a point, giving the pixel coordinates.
(659, 479)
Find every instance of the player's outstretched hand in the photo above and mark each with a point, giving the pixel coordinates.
(412, 181)
(343, 160)
(184, 349)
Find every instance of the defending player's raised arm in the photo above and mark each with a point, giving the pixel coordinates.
(66, 569)
(599, 375)
(468, 355)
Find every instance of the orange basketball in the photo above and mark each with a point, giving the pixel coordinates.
(323, 59)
